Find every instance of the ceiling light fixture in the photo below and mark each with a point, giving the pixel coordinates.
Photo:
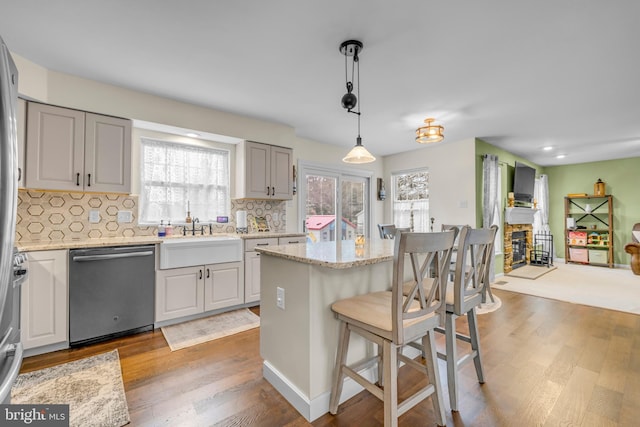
(351, 49)
(430, 133)
(193, 134)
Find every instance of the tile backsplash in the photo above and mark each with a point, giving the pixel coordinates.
(54, 215)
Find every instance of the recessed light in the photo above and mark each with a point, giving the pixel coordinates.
(193, 134)
(560, 156)
(547, 148)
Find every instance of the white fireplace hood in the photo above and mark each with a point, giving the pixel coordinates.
(519, 215)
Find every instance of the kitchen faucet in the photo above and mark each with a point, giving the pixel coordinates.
(195, 229)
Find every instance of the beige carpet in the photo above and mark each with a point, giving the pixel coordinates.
(612, 288)
(210, 328)
(92, 387)
(489, 306)
(530, 271)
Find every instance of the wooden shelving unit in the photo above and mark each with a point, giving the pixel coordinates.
(592, 244)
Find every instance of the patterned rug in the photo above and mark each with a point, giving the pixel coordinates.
(210, 328)
(92, 387)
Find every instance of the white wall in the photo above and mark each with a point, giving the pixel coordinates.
(452, 192)
(38, 83)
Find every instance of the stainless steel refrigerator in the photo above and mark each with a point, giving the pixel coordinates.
(11, 273)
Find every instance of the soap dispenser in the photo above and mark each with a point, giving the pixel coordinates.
(168, 229)
(161, 229)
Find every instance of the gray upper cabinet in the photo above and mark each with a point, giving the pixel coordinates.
(76, 151)
(22, 129)
(264, 171)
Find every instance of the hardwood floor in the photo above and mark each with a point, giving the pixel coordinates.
(547, 363)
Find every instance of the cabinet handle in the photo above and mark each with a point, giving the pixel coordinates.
(89, 181)
(262, 244)
(267, 190)
(78, 178)
(200, 274)
(19, 174)
(208, 273)
(273, 191)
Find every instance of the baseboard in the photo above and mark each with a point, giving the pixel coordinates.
(312, 409)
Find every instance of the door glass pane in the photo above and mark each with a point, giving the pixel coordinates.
(353, 208)
(321, 208)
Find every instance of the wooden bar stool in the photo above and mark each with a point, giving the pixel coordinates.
(391, 320)
(473, 258)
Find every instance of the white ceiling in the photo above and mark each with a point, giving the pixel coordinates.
(520, 75)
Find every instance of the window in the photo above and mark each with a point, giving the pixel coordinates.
(174, 176)
(410, 194)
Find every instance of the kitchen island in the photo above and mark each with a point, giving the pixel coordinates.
(298, 340)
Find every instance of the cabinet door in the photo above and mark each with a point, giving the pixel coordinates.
(55, 148)
(251, 276)
(223, 285)
(179, 292)
(107, 164)
(44, 299)
(22, 130)
(281, 173)
(258, 170)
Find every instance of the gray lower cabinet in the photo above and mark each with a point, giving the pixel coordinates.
(252, 263)
(44, 300)
(188, 291)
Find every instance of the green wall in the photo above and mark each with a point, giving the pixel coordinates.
(507, 162)
(622, 179)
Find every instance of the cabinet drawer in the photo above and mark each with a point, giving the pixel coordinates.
(291, 240)
(250, 244)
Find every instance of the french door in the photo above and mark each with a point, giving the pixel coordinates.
(327, 194)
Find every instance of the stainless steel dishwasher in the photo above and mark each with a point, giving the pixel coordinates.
(111, 292)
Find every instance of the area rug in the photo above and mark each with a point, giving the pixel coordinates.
(611, 288)
(210, 328)
(92, 387)
(530, 271)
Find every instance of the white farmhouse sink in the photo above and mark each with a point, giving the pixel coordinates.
(188, 252)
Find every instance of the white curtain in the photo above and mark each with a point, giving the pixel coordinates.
(490, 201)
(541, 194)
(176, 176)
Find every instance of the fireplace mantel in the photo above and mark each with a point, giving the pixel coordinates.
(519, 215)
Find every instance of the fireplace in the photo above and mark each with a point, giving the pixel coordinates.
(519, 249)
(518, 242)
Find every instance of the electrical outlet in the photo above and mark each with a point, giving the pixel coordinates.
(280, 297)
(125, 216)
(94, 216)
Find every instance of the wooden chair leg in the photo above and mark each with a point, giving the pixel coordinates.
(475, 343)
(431, 362)
(452, 360)
(390, 378)
(380, 369)
(338, 376)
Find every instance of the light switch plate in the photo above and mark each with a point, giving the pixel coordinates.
(94, 216)
(125, 216)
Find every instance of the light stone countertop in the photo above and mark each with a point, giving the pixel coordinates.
(336, 255)
(49, 245)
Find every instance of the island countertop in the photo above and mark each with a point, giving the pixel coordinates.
(339, 255)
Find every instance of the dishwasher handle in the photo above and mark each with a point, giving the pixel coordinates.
(83, 258)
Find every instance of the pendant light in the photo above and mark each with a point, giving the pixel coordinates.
(351, 49)
(429, 133)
